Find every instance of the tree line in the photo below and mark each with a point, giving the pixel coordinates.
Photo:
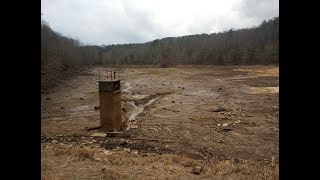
(249, 46)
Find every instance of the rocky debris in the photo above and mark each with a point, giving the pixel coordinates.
(129, 141)
(47, 98)
(219, 89)
(220, 141)
(96, 107)
(218, 125)
(81, 98)
(99, 134)
(132, 125)
(135, 152)
(106, 152)
(235, 160)
(225, 124)
(54, 141)
(126, 149)
(219, 110)
(190, 117)
(226, 129)
(61, 107)
(122, 141)
(197, 170)
(173, 101)
(238, 121)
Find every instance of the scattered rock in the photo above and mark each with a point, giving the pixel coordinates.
(122, 141)
(227, 129)
(219, 110)
(190, 117)
(235, 160)
(47, 98)
(96, 107)
(218, 125)
(220, 89)
(135, 152)
(173, 101)
(180, 102)
(220, 141)
(99, 134)
(129, 141)
(197, 170)
(61, 107)
(96, 158)
(106, 152)
(225, 124)
(126, 149)
(133, 126)
(81, 98)
(54, 141)
(238, 121)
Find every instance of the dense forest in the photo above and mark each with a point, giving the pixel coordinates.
(250, 46)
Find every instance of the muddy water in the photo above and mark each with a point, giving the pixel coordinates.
(139, 109)
(128, 85)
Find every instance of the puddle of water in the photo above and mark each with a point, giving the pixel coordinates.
(139, 109)
(128, 85)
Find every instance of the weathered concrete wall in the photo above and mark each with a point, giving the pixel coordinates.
(110, 105)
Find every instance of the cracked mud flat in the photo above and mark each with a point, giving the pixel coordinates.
(213, 117)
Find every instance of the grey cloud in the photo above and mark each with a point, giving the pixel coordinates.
(259, 10)
(118, 22)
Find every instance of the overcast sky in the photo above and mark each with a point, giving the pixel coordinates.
(135, 21)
